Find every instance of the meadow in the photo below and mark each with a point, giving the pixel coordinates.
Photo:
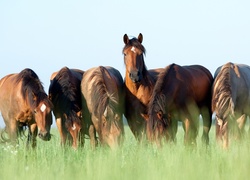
(131, 161)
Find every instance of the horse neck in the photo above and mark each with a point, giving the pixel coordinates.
(144, 87)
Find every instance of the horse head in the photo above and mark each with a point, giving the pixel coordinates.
(111, 128)
(133, 58)
(158, 120)
(43, 118)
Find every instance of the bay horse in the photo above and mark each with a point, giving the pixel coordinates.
(231, 100)
(65, 94)
(23, 102)
(181, 93)
(139, 84)
(102, 105)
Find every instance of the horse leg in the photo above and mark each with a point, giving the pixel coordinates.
(11, 129)
(32, 136)
(191, 131)
(218, 131)
(241, 121)
(207, 122)
(81, 138)
(61, 131)
(224, 135)
(92, 134)
(173, 131)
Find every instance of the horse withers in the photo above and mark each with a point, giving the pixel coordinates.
(231, 101)
(139, 84)
(181, 93)
(23, 102)
(102, 105)
(65, 94)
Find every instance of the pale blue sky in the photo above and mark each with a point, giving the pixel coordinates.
(46, 35)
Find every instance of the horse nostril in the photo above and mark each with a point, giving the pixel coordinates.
(130, 75)
(44, 136)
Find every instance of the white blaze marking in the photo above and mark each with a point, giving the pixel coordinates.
(73, 127)
(133, 49)
(43, 107)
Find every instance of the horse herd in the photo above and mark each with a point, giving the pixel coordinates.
(93, 102)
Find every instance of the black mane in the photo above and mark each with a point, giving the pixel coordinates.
(65, 91)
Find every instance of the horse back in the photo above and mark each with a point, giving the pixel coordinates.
(240, 86)
(195, 82)
(154, 73)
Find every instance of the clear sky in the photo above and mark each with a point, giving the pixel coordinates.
(46, 35)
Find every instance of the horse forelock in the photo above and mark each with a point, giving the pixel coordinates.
(222, 101)
(135, 43)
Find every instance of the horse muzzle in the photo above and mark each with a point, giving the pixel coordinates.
(135, 76)
(44, 136)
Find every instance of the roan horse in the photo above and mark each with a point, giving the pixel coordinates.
(231, 100)
(102, 105)
(23, 102)
(181, 93)
(139, 84)
(65, 94)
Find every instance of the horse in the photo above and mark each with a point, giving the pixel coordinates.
(139, 83)
(24, 103)
(231, 101)
(103, 105)
(65, 94)
(181, 93)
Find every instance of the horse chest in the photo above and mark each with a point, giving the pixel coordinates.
(141, 94)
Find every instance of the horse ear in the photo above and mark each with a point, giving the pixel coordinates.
(140, 37)
(125, 39)
(160, 114)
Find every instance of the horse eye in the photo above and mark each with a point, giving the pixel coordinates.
(35, 111)
(124, 54)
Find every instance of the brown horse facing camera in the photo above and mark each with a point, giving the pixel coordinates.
(102, 105)
(23, 102)
(231, 101)
(139, 84)
(181, 93)
(65, 94)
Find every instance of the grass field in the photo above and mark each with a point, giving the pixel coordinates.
(132, 161)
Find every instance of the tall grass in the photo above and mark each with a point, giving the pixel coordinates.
(131, 161)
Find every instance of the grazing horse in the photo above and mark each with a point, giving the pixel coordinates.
(231, 100)
(139, 84)
(181, 93)
(65, 94)
(102, 101)
(23, 102)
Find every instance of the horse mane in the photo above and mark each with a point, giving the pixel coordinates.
(101, 98)
(134, 42)
(158, 98)
(32, 87)
(66, 86)
(222, 92)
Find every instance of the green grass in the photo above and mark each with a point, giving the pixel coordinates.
(131, 161)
